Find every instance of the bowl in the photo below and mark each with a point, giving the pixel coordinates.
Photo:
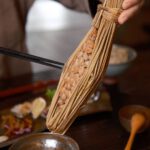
(45, 141)
(114, 70)
(126, 113)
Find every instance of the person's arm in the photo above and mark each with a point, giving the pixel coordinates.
(130, 7)
(88, 6)
(79, 5)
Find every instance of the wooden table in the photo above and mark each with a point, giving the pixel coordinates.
(102, 131)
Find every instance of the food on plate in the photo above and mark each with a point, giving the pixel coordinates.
(14, 126)
(3, 138)
(118, 55)
(22, 110)
(34, 107)
(38, 105)
(20, 119)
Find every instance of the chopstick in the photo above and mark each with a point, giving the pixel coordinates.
(32, 58)
(27, 88)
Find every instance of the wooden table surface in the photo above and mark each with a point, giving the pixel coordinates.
(102, 131)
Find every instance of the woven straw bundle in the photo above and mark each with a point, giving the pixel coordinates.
(85, 68)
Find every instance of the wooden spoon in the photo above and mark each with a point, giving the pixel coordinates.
(137, 121)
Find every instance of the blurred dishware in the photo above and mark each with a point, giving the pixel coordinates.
(45, 141)
(35, 86)
(126, 113)
(120, 60)
(135, 119)
(38, 124)
(3, 138)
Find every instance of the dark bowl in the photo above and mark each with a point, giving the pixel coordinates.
(126, 113)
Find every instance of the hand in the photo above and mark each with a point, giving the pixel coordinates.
(130, 8)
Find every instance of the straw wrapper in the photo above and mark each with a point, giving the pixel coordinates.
(85, 68)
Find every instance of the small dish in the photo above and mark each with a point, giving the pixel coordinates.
(114, 70)
(45, 141)
(126, 113)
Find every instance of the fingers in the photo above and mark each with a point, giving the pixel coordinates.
(130, 7)
(129, 3)
(126, 14)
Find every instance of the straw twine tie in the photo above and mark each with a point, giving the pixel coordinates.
(110, 14)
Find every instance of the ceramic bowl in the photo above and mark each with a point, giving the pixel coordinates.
(114, 70)
(45, 141)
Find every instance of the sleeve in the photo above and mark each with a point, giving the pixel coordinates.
(79, 5)
(93, 6)
(88, 6)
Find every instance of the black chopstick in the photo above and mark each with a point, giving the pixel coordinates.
(32, 58)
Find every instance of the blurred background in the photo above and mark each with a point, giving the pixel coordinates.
(53, 31)
(49, 21)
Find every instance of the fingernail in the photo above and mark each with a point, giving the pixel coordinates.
(122, 19)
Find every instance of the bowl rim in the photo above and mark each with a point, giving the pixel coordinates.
(124, 119)
(43, 133)
(122, 109)
(126, 48)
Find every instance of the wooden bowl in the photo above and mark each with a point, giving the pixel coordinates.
(126, 113)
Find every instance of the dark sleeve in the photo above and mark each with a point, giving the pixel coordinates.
(93, 6)
(79, 5)
(89, 6)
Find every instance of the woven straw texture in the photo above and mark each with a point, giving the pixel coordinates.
(85, 69)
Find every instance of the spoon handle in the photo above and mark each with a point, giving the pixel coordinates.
(130, 141)
(137, 122)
